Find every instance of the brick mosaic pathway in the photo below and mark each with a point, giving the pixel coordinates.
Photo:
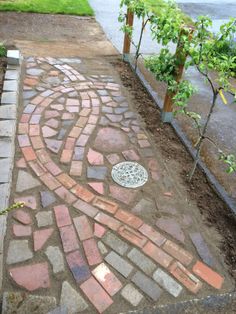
(83, 241)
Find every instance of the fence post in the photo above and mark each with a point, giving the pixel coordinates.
(127, 39)
(181, 56)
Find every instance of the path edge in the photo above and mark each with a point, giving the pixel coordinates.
(12, 76)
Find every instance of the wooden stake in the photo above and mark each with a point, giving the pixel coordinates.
(127, 40)
(181, 56)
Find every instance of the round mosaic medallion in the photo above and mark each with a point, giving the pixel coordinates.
(129, 174)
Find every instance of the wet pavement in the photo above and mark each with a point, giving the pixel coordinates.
(222, 127)
(107, 16)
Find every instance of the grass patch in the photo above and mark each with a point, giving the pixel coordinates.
(3, 50)
(71, 7)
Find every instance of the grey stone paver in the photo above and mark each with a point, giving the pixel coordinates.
(8, 112)
(144, 206)
(9, 98)
(202, 248)
(5, 170)
(25, 181)
(131, 294)
(10, 86)
(56, 258)
(143, 262)
(115, 243)
(22, 303)
(44, 218)
(35, 72)
(18, 251)
(117, 262)
(147, 285)
(59, 310)
(6, 147)
(28, 94)
(47, 198)
(167, 283)
(71, 299)
(7, 128)
(97, 172)
(102, 248)
(11, 75)
(13, 57)
(4, 195)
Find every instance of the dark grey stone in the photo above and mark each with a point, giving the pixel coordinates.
(18, 251)
(59, 310)
(97, 172)
(107, 109)
(119, 98)
(202, 248)
(120, 110)
(78, 153)
(167, 282)
(44, 218)
(47, 198)
(147, 285)
(117, 262)
(104, 121)
(72, 299)
(143, 262)
(61, 134)
(29, 94)
(56, 258)
(34, 72)
(115, 243)
(146, 152)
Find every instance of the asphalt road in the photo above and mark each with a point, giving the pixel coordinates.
(107, 15)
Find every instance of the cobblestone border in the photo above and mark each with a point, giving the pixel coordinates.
(219, 189)
(8, 117)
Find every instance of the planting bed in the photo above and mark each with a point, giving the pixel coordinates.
(213, 209)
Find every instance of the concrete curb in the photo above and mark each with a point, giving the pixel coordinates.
(8, 117)
(229, 201)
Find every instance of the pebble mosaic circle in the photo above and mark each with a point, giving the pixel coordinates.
(129, 174)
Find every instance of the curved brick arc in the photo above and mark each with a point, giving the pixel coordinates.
(173, 258)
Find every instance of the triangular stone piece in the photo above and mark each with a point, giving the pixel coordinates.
(25, 181)
(95, 158)
(40, 237)
(71, 299)
(48, 132)
(97, 187)
(53, 145)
